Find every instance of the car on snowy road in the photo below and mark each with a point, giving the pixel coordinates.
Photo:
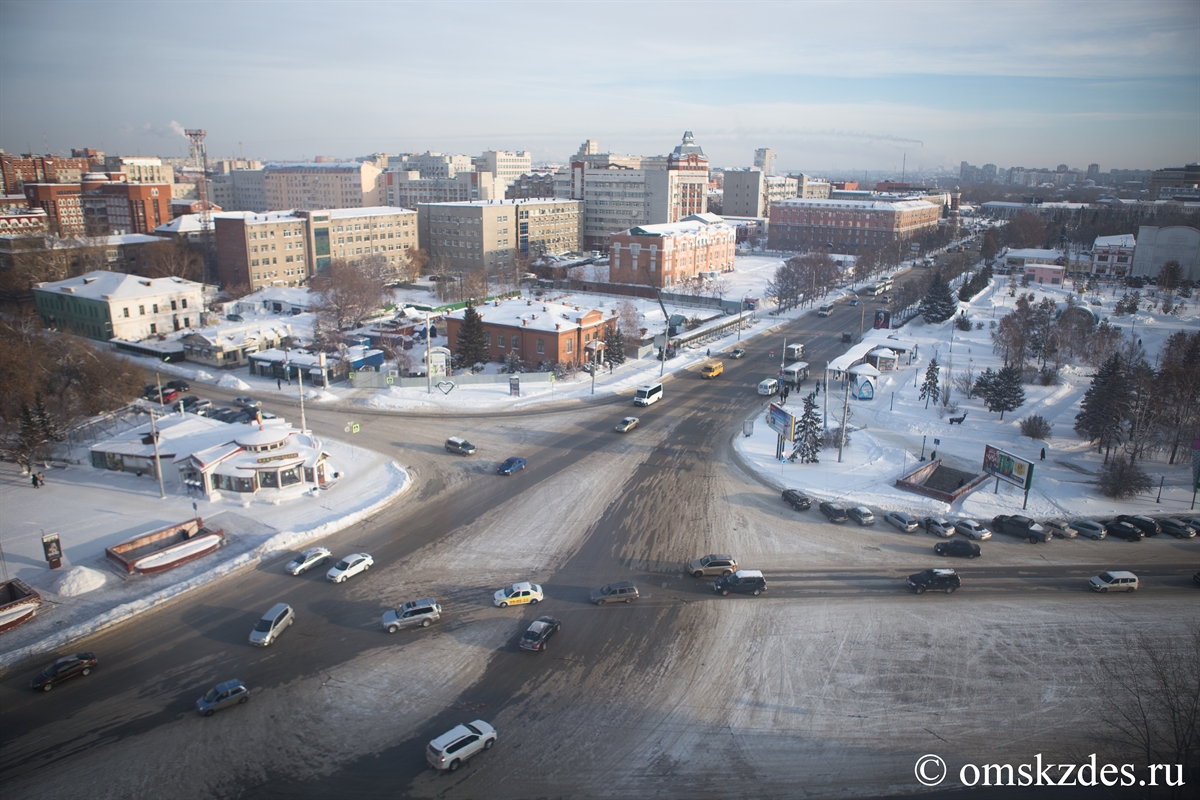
(448, 751)
(511, 465)
(972, 530)
(712, 564)
(537, 636)
(312, 557)
(901, 521)
(63, 669)
(938, 526)
(349, 566)
(797, 499)
(627, 424)
(957, 547)
(1090, 528)
(518, 594)
(862, 515)
(225, 694)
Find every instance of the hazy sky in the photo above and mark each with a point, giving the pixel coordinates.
(831, 87)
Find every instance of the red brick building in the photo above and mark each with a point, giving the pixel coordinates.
(800, 224)
(62, 204)
(664, 255)
(20, 170)
(537, 332)
(118, 207)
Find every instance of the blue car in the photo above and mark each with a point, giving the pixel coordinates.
(511, 465)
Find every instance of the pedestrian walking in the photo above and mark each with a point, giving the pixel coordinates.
(1043, 454)
(279, 384)
(708, 352)
(41, 476)
(33, 479)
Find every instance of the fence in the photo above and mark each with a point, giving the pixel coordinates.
(379, 380)
(90, 430)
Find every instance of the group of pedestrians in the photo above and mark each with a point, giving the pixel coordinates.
(38, 479)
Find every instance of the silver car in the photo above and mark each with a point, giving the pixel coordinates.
(273, 623)
(715, 564)
(229, 693)
(938, 526)
(1089, 528)
(310, 558)
(413, 614)
(972, 530)
(901, 521)
(1060, 528)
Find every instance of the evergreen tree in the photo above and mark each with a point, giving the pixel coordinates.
(1102, 412)
(984, 384)
(939, 304)
(614, 345)
(470, 345)
(1007, 393)
(37, 429)
(808, 432)
(513, 363)
(930, 388)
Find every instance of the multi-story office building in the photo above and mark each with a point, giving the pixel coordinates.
(663, 255)
(1165, 183)
(408, 189)
(764, 159)
(249, 190)
(322, 185)
(532, 184)
(24, 222)
(16, 171)
(505, 165)
(110, 305)
(358, 233)
(1156, 246)
(63, 205)
(140, 169)
(621, 191)
(116, 206)
(431, 165)
(490, 235)
(749, 192)
(811, 188)
(800, 223)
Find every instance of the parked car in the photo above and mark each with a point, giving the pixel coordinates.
(797, 499)
(1022, 527)
(246, 402)
(1143, 523)
(862, 515)
(958, 547)
(518, 594)
(62, 669)
(448, 751)
(737, 352)
(459, 445)
(511, 465)
(1116, 580)
(945, 580)
(972, 530)
(901, 521)
(537, 636)
(938, 526)
(310, 558)
(224, 694)
(168, 396)
(187, 402)
(744, 581)
(1090, 528)
(1177, 528)
(223, 414)
(1191, 522)
(713, 564)
(413, 614)
(199, 407)
(619, 592)
(1123, 530)
(1060, 528)
(627, 424)
(179, 385)
(350, 566)
(834, 512)
(278, 619)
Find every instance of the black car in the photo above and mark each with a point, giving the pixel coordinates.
(833, 512)
(744, 581)
(958, 547)
(945, 580)
(182, 386)
(1123, 530)
(797, 499)
(65, 667)
(1142, 523)
(539, 633)
(188, 401)
(1177, 529)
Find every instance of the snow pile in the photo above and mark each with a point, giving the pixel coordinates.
(79, 580)
(233, 382)
(201, 375)
(319, 395)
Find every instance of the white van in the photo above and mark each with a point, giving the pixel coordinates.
(768, 387)
(794, 352)
(796, 373)
(648, 395)
(824, 311)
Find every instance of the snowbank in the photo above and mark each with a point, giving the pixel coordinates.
(233, 382)
(79, 580)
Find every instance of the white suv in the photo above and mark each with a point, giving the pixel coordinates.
(456, 745)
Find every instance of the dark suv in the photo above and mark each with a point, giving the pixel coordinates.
(797, 499)
(1141, 522)
(833, 512)
(945, 580)
(745, 581)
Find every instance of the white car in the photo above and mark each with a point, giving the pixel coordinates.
(518, 594)
(308, 559)
(448, 751)
(938, 526)
(972, 530)
(349, 566)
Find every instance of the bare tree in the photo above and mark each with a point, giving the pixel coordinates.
(630, 321)
(349, 294)
(174, 259)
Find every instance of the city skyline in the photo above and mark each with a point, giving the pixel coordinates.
(829, 86)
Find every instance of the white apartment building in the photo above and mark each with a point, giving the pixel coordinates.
(409, 189)
(140, 169)
(322, 185)
(764, 159)
(432, 165)
(504, 165)
(490, 234)
(359, 233)
(112, 305)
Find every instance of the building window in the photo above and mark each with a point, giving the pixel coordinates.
(541, 346)
(500, 340)
(487, 338)
(142, 311)
(126, 313)
(569, 345)
(183, 303)
(153, 328)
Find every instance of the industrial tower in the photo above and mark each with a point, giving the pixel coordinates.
(199, 157)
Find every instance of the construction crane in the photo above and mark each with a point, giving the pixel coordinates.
(199, 157)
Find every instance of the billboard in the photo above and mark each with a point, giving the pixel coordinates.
(782, 422)
(883, 318)
(1007, 467)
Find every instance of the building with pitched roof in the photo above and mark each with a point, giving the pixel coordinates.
(111, 305)
(669, 254)
(538, 332)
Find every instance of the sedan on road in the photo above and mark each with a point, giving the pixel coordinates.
(511, 465)
(901, 521)
(797, 499)
(349, 566)
(518, 594)
(229, 693)
(62, 669)
(957, 547)
(1143, 523)
(737, 352)
(538, 635)
(1177, 528)
(627, 424)
(938, 526)
(1089, 528)
(246, 402)
(312, 557)
(972, 530)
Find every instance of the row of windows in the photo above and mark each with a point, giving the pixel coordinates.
(182, 303)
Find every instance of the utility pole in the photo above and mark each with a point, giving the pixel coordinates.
(845, 413)
(303, 421)
(162, 493)
(428, 373)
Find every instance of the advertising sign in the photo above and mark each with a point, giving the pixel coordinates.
(1007, 467)
(52, 549)
(514, 387)
(782, 422)
(439, 361)
(883, 318)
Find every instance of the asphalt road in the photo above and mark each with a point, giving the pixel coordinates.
(681, 495)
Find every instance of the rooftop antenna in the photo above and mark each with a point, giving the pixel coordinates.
(903, 166)
(199, 157)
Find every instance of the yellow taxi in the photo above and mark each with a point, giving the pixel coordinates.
(518, 594)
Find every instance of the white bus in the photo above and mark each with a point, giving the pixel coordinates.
(648, 395)
(796, 373)
(795, 352)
